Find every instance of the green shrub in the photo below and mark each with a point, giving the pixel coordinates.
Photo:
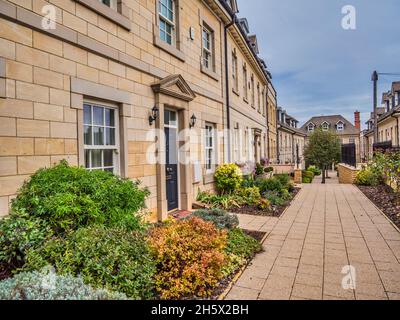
(315, 170)
(251, 196)
(308, 176)
(69, 197)
(272, 184)
(111, 258)
(264, 204)
(367, 177)
(220, 218)
(259, 170)
(226, 201)
(241, 244)
(228, 178)
(285, 180)
(190, 258)
(18, 235)
(274, 198)
(47, 286)
(248, 182)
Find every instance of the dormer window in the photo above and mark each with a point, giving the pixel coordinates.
(340, 126)
(310, 127)
(325, 126)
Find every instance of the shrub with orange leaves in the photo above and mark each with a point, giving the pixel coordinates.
(190, 258)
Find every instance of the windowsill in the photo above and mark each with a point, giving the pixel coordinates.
(168, 48)
(245, 100)
(209, 72)
(235, 92)
(111, 14)
(209, 178)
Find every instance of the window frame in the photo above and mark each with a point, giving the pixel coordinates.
(235, 80)
(116, 147)
(252, 85)
(341, 128)
(113, 4)
(310, 127)
(325, 126)
(210, 162)
(245, 83)
(168, 22)
(210, 51)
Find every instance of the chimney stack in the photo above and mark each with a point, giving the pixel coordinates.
(357, 120)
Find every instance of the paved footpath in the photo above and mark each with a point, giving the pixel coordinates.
(326, 228)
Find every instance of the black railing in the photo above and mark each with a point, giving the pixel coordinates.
(349, 154)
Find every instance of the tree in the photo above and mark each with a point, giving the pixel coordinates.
(322, 150)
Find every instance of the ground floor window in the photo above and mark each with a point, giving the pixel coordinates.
(101, 133)
(210, 147)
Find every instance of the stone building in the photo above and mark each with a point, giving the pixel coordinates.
(388, 122)
(101, 83)
(291, 140)
(347, 132)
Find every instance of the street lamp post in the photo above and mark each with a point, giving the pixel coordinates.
(375, 80)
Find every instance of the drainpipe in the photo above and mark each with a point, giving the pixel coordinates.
(277, 132)
(267, 120)
(228, 111)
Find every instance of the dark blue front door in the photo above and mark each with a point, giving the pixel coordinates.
(171, 165)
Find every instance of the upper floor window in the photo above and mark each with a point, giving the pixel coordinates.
(166, 13)
(325, 126)
(263, 97)
(235, 82)
(101, 143)
(245, 82)
(258, 98)
(340, 126)
(310, 127)
(110, 3)
(208, 42)
(252, 91)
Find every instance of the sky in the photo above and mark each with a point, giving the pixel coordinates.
(319, 68)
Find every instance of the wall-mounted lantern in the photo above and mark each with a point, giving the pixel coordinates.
(154, 115)
(193, 121)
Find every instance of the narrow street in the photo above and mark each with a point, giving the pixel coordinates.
(326, 228)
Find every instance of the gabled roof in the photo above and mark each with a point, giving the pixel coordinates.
(332, 120)
(386, 96)
(176, 86)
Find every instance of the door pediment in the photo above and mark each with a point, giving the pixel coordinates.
(174, 86)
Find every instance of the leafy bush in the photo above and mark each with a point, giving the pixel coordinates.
(251, 196)
(225, 202)
(269, 169)
(308, 176)
(274, 198)
(264, 204)
(242, 245)
(259, 170)
(315, 170)
(47, 286)
(69, 197)
(18, 235)
(190, 258)
(248, 182)
(228, 178)
(272, 184)
(285, 181)
(112, 258)
(367, 177)
(220, 218)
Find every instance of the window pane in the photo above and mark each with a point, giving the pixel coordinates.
(87, 159)
(87, 114)
(98, 136)
(110, 136)
(108, 158)
(110, 117)
(87, 135)
(109, 170)
(98, 116)
(96, 158)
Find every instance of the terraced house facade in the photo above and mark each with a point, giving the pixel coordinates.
(102, 83)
